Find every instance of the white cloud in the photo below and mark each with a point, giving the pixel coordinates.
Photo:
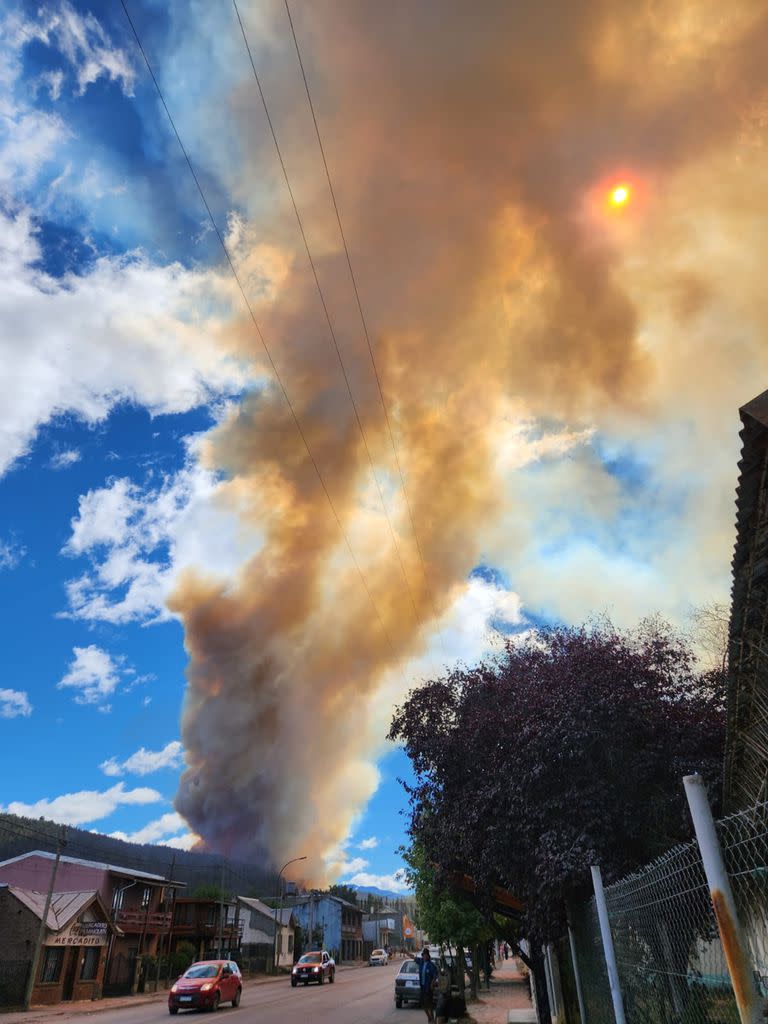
(349, 867)
(139, 540)
(54, 356)
(81, 39)
(167, 830)
(369, 844)
(85, 806)
(144, 762)
(93, 674)
(10, 554)
(14, 704)
(183, 842)
(65, 458)
(395, 882)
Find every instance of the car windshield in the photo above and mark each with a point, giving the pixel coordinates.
(202, 971)
(409, 967)
(378, 952)
(311, 958)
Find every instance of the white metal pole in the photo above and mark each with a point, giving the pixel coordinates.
(608, 950)
(731, 933)
(553, 981)
(548, 979)
(577, 975)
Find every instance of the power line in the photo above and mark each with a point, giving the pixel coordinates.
(363, 320)
(328, 320)
(267, 351)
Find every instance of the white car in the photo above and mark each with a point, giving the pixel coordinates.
(378, 958)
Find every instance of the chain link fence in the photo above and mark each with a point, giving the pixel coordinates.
(671, 965)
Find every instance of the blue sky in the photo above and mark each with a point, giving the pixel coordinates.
(121, 453)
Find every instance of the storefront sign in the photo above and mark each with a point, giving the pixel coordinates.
(81, 933)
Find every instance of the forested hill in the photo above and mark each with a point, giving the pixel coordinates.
(20, 835)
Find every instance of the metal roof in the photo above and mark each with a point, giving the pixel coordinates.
(113, 869)
(284, 916)
(65, 906)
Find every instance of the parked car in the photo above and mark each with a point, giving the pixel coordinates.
(205, 985)
(378, 958)
(314, 967)
(407, 988)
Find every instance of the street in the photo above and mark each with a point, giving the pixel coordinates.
(359, 996)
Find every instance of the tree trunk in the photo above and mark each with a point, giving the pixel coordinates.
(475, 972)
(535, 964)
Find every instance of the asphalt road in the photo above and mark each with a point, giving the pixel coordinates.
(362, 995)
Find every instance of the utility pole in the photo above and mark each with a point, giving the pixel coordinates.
(279, 911)
(221, 911)
(62, 842)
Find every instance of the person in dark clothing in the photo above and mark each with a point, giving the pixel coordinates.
(428, 977)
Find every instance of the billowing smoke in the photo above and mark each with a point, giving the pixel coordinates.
(471, 148)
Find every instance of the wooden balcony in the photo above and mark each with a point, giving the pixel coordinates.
(140, 920)
(229, 931)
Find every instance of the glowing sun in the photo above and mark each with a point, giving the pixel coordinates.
(620, 195)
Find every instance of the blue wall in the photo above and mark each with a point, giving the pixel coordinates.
(326, 914)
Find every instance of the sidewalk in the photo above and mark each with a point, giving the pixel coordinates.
(87, 1007)
(507, 1000)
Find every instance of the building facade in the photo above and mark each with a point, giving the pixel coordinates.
(329, 922)
(746, 758)
(213, 927)
(258, 931)
(75, 942)
(139, 906)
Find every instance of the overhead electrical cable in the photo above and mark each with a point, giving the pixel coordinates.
(363, 320)
(328, 319)
(262, 339)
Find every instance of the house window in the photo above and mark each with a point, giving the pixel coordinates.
(146, 896)
(117, 899)
(54, 958)
(290, 942)
(90, 964)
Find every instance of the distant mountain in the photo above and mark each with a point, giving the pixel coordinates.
(387, 893)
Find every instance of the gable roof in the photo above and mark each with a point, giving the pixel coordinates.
(284, 916)
(113, 869)
(64, 908)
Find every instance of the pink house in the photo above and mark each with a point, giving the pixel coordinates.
(140, 905)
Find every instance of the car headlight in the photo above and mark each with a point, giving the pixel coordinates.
(315, 970)
(207, 987)
(295, 970)
(174, 988)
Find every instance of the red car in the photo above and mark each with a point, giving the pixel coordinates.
(205, 985)
(314, 967)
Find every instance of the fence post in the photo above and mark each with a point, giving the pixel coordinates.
(576, 974)
(731, 933)
(608, 950)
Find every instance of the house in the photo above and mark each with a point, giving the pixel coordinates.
(139, 905)
(329, 922)
(75, 941)
(746, 766)
(258, 930)
(380, 932)
(212, 926)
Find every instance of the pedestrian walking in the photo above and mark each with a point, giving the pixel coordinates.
(428, 978)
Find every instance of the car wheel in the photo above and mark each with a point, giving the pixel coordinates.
(294, 983)
(332, 977)
(236, 1000)
(173, 1010)
(399, 1004)
(215, 1004)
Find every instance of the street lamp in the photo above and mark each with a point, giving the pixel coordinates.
(279, 911)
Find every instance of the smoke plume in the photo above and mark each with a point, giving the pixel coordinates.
(472, 148)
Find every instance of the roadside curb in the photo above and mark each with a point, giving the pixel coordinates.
(87, 1008)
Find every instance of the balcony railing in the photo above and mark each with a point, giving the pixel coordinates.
(140, 920)
(231, 930)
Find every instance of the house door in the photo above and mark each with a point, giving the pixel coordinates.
(71, 974)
